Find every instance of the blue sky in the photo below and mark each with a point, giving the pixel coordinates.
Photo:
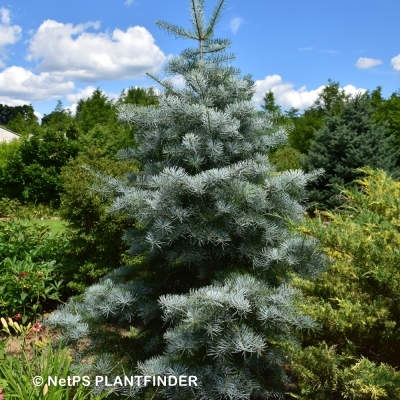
(58, 49)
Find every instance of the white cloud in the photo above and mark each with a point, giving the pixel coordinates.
(9, 34)
(39, 116)
(236, 24)
(5, 16)
(81, 94)
(330, 51)
(395, 62)
(288, 97)
(13, 102)
(72, 52)
(306, 48)
(284, 93)
(128, 2)
(352, 90)
(20, 86)
(365, 62)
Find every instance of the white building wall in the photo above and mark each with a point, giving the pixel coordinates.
(7, 135)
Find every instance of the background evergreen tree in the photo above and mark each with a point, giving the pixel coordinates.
(59, 119)
(331, 99)
(97, 109)
(99, 126)
(304, 128)
(349, 140)
(95, 244)
(387, 111)
(95, 236)
(139, 96)
(269, 104)
(284, 157)
(211, 220)
(329, 102)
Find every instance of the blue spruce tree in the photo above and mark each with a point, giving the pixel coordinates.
(208, 294)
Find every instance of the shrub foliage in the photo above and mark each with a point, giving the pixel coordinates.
(356, 299)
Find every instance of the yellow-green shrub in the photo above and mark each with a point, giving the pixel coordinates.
(357, 300)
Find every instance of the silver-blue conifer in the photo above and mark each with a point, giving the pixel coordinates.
(211, 223)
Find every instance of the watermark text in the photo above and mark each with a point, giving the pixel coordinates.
(117, 381)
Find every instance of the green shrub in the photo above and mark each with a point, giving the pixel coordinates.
(13, 208)
(356, 301)
(11, 169)
(9, 207)
(29, 168)
(95, 236)
(26, 285)
(29, 270)
(324, 374)
(286, 158)
(40, 184)
(8, 151)
(43, 157)
(23, 238)
(109, 139)
(367, 380)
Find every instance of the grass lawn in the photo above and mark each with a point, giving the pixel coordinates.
(56, 225)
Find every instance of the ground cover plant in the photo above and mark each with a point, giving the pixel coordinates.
(208, 293)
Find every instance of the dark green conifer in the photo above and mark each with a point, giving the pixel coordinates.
(349, 140)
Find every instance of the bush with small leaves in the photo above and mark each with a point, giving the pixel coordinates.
(30, 273)
(356, 300)
(95, 236)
